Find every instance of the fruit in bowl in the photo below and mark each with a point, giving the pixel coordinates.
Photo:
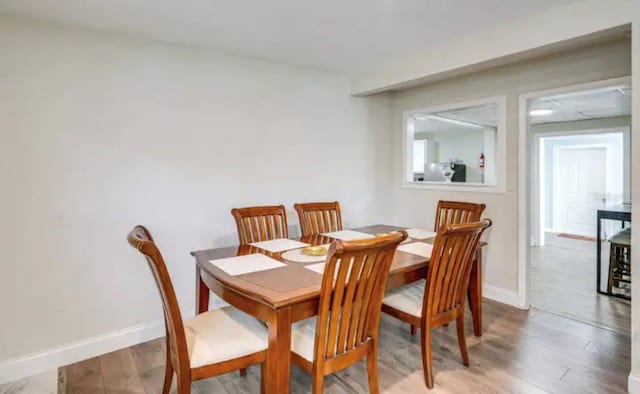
(315, 250)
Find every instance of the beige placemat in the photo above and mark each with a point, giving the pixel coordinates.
(245, 264)
(417, 248)
(348, 235)
(279, 245)
(418, 233)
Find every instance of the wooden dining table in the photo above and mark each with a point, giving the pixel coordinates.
(285, 295)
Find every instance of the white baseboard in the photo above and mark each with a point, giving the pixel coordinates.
(503, 296)
(54, 358)
(634, 384)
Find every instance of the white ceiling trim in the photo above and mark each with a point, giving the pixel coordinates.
(497, 46)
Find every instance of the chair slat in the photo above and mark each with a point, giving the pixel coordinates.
(347, 308)
(319, 217)
(455, 212)
(257, 224)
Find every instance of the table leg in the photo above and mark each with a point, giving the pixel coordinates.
(279, 352)
(202, 294)
(599, 252)
(475, 293)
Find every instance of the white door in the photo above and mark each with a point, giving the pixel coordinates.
(580, 185)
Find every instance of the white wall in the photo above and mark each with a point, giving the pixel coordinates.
(100, 133)
(415, 207)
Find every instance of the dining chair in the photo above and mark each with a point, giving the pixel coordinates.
(318, 217)
(439, 299)
(619, 277)
(257, 224)
(345, 329)
(455, 212)
(212, 343)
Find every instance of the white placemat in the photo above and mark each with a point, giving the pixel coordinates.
(417, 248)
(279, 245)
(419, 233)
(245, 264)
(348, 235)
(319, 268)
(299, 257)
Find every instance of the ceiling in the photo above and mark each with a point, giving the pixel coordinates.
(463, 119)
(589, 104)
(598, 103)
(342, 35)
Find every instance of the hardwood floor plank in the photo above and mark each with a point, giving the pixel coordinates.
(119, 373)
(588, 384)
(149, 359)
(213, 385)
(84, 377)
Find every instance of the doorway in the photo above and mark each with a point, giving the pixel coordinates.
(579, 157)
(580, 186)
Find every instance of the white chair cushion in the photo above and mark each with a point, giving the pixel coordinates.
(407, 298)
(303, 337)
(223, 334)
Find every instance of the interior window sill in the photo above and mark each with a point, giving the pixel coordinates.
(456, 187)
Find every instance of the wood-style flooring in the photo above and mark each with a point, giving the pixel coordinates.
(563, 281)
(520, 352)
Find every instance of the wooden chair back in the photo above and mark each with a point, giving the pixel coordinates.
(319, 217)
(449, 269)
(353, 286)
(141, 239)
(257, 224)
(455, 212)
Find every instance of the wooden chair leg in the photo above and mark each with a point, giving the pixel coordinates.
(168, 369)
(462, 340)
(474, 293)
(184, 384)
(263, 380)
(243, 372)
(372, 369)
(426, 356)
(414, 329)
(168, 376)
(317, 383)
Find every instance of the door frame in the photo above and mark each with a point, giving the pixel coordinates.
(526, 192)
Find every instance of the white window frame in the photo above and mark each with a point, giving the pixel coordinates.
(501, 148)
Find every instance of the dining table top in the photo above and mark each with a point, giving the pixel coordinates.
(292, 283)
(624, 207)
